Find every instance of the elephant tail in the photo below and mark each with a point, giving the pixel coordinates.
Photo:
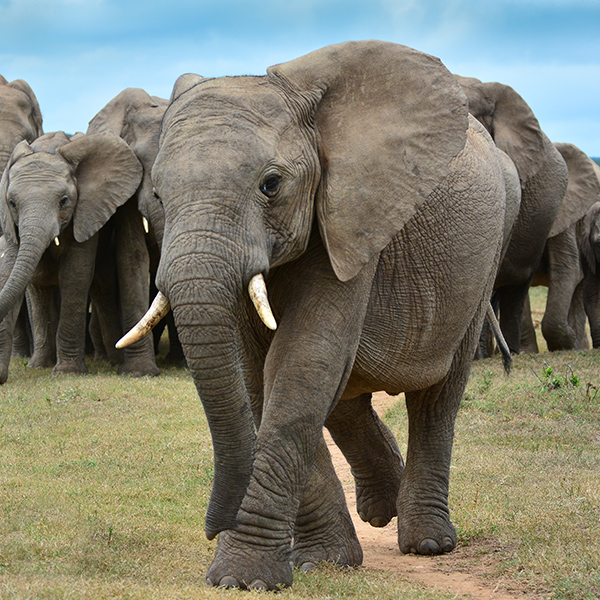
(502, 345)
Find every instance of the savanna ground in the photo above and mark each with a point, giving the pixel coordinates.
(104, 482)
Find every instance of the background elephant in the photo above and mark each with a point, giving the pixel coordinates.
(543, 176)
(135, 116)
(590, 254)
(563, 324)
(20, 119)
(355, 180)
(55, 195)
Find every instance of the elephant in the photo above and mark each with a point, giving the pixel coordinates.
(135, 116)
(20, 119)
(354, 185)
(543, 178)
(55, 195)
(560, 270)
(590, 253)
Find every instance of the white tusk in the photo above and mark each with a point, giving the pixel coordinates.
(57, 241)
(146, 226)
(159, 308)
(258, 294)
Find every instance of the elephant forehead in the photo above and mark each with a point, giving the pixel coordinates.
(47, 167)
(221, 101)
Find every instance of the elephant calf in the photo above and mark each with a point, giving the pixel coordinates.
(55, 195)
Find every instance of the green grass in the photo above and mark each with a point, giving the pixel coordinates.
(104, 483)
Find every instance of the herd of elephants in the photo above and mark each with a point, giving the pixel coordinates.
(382, 201)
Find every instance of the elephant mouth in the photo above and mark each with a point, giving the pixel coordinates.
(257, 290)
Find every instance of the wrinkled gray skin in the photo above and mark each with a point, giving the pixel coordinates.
(135, 116)
(543, 178)
(20, 119)
(354, 179)
(65, 189)
(560, 270)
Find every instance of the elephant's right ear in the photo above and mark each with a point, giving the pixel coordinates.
(583, 188)
(7, 224)
(390, 121)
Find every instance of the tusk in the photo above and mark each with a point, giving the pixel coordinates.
(57, 241)
(159, 308)
(258, 294)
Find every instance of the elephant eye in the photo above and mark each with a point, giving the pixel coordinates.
(63, 201)
(270, 186)
(12, 204)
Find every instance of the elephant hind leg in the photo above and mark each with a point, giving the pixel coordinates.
(374, 457)
(324, 530)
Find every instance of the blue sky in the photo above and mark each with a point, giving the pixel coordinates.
(78, 54)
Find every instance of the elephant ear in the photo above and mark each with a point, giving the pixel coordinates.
(390, 120)
(35, 116)
(7, 225)
(583, 188)
(515, 128)
(107, 173)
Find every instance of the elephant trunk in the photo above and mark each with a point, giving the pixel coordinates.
(205, 299)
(31, 248)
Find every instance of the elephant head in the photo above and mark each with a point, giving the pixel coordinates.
(20, 116)
(135, 116)
(250, 167)
(54, 183)
(590, 233)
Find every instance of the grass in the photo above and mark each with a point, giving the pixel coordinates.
(104, 483)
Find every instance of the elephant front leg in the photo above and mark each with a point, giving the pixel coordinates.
(75, 277)
(324, 530)
(42, 303)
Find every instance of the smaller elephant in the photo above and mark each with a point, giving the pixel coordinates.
(561, 269)
(55, 196)
(590, 260)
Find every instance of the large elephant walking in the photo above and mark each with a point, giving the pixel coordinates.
(355, 182)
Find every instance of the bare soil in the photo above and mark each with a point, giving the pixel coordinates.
(469, 571)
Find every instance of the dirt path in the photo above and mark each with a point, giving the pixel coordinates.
(455, 572)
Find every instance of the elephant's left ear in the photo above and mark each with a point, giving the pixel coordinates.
(583, 188)
(107, 173)
(390, 120)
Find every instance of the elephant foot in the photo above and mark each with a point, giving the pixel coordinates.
(40, 361)
(426, 535)
(376, 503)
(70, 366)
(138, 367)
(307, 555)
(238, 564)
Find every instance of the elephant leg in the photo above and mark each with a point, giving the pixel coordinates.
(306, 370)
(424, 525)
(374, 457)
(324, 530)
(529, 343)
(75, 275)
(23, 336)
(133, 269)
(44, 317)
(564, 275)
(577, 319)
(591, 303)
(512, 303)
